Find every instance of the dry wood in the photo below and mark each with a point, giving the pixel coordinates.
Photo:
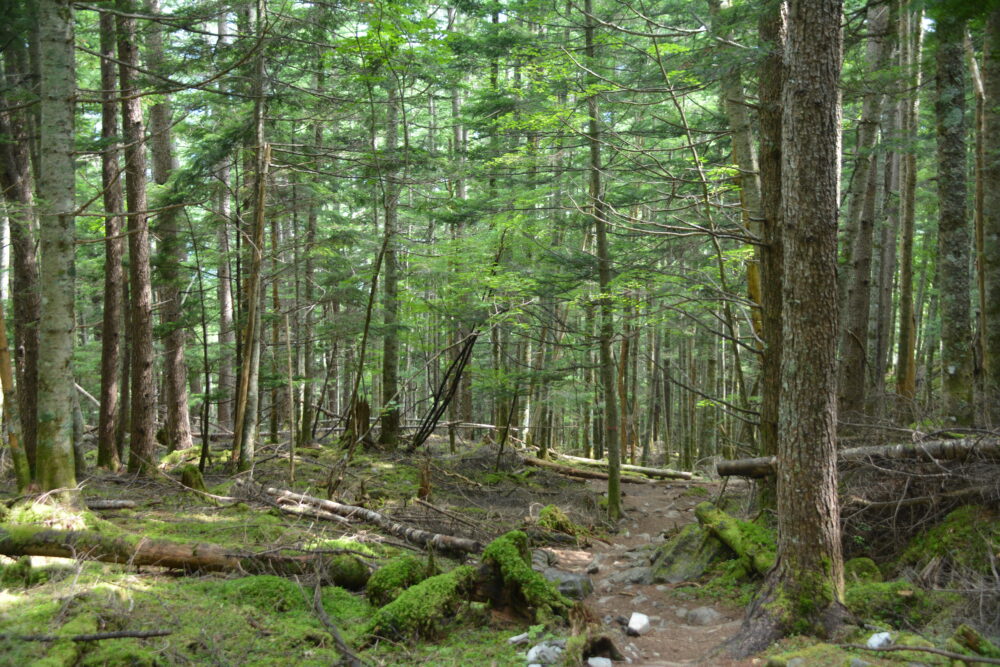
(109, 504)
(665, 473)
(97, 636)
(936, 450)
(139, 551)
(576, 472)
(968, 659)
(444, 543)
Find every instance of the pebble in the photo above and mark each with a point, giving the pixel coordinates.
(638, 624)
(518, 639)
(703, 616)
(598, 662)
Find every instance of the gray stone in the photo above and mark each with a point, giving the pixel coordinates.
(633, 575)
(570, 584)
(858, 662)
(639, 599)
(703, 616)
(598, 662)
(796, 662)
(686, 556)
(546, 653)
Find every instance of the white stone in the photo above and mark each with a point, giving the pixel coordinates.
(598, 662)
(639, 623)
(879, 640)
(518, 639)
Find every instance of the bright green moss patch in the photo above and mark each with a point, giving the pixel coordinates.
(180, 456)
(729, 581)
(861, 570)
(394, 577)
(267, 592)
(752, 542)
(422, 610)
(967, 537)
(898, 603)
(695, 492)
(473, 646)
(509, 555)
(554, 518)
(814, 655)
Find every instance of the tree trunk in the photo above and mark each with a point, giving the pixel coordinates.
(142, 434)
(911, 40)
(107, 442)
(56, 192)
(991, 217)
(389, 436)
(804, 592)
(16, 180)
(856, 295)
(953, 226)
(606, 327)
(171, 257)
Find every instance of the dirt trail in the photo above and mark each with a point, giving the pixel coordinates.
(650, 509)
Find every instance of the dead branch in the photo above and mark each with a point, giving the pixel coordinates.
(350, 658)
(663, 473)
(576, 472)
(97, 636)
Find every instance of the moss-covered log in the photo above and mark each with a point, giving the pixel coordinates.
(661, 473)
(191, 557)
(577, 472)
(750, 541)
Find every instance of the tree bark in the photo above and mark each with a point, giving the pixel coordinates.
(953, 225)
(389, 436)
(111, 323)
(171, 257)
(804, 592)
(991, 216)
(56, 192)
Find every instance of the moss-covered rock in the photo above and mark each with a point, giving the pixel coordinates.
(516, 585)
(687, 555)
(967, 537)
(424, 609)
(898, 603)
(861, 570)
(386, 584)
(553, 518)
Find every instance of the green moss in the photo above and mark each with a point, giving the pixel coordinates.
(267, 592)
(479, 645)
(66, 652)
(696, 492)
(814, 655)
(898, 603)
(394, 577)
(861, 570)
(967, 537)
(729, 581)
(180, 456)
(422, 610)
(553, 518)
(509, 554)
(749, 540)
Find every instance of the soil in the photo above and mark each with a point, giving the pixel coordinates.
(649, 510)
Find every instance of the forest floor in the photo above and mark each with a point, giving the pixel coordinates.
(477, 492)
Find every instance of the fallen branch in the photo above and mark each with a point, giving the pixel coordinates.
(99, 504)
(732, 533)
(190, 557)
(97, 636)
(444, 543)
(576, 472)
(661, 473)
(980, 491)
(350, 657)
(938, 450)
(970, 659)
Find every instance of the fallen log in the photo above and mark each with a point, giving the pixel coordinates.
(443, 543)
(576, 472)
(748, 540)
(936, 450)
(661, 473)
(135, 550)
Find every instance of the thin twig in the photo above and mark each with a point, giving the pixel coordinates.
(97, 636)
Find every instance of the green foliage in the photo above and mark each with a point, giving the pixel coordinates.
(968, 537)
(898, 603)
(862, 570)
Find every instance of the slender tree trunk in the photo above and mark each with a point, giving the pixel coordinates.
(391, 400)
(171, 257)
(142, 435)
(606, 326)
(771, 75)
(911, 41)
(953, 226)
(991, 217)
(227, 332)
(107, 443)
(16, 180)
(805, 589)
(856, 282)
(56, 190)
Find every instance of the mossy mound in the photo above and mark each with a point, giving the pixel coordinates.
(551, 517)
(861, 570)
(518, 586)
(967, 537)
(390, 580)
(898, 603)
(267, 592)
(179, 457)
(423, 610)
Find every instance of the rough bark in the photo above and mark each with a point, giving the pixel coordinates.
(171, 257)
(611, 439)
(860, 231)
(142, 421)
(991, 217)
(16, 182)
(953, 225)
(389, 436)
(139, 551)
(111, 323)
(771, 75)
(803, 593)
(56, 190)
